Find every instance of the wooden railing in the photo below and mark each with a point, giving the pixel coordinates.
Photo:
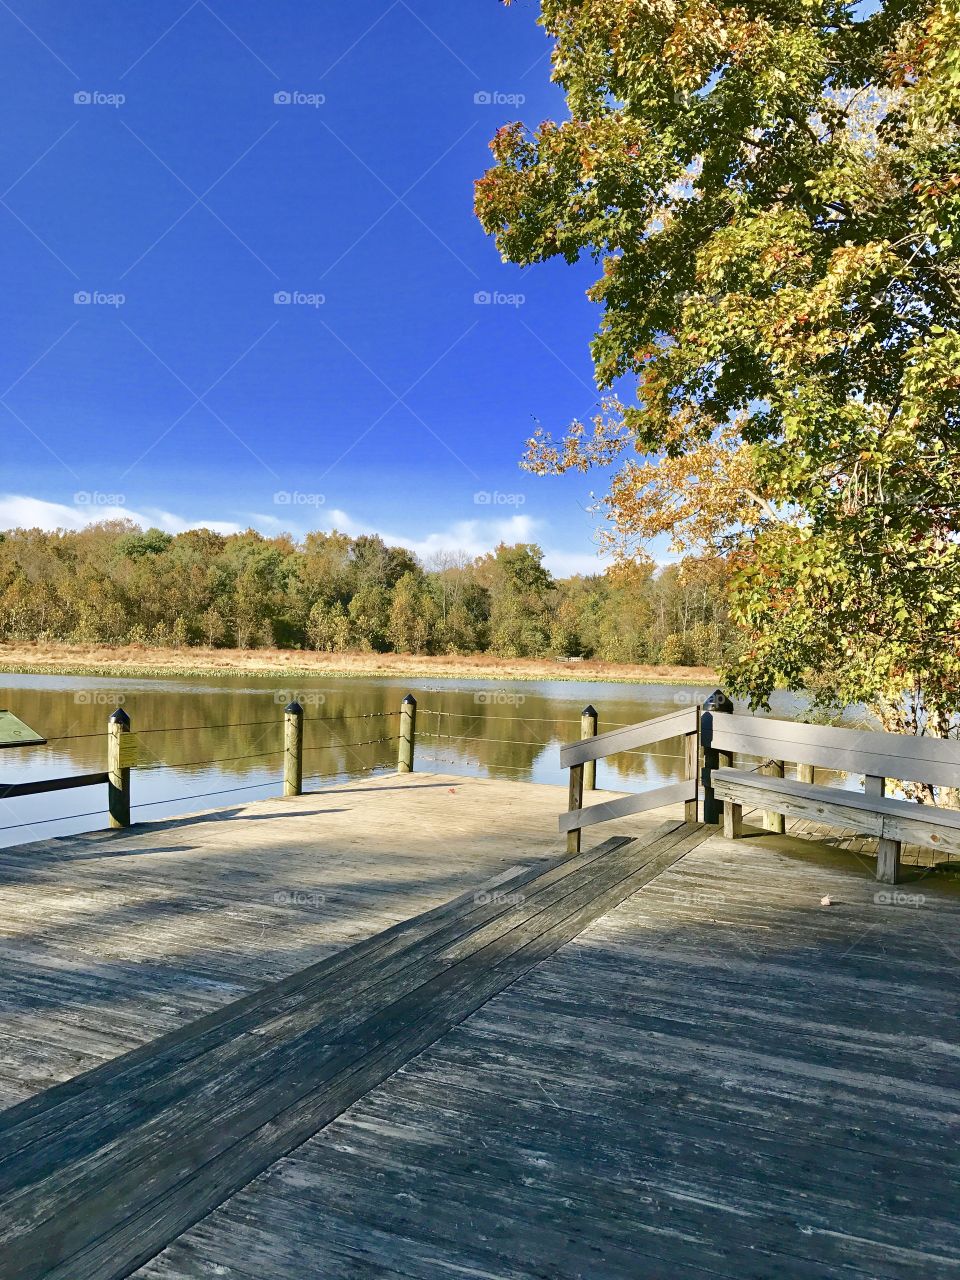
(14, 789)
(576, 755)
(715, 735)
(711, 789)
(121, 750)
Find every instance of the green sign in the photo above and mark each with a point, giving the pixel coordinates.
(14, 733)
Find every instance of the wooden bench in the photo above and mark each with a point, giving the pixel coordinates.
(875, 756)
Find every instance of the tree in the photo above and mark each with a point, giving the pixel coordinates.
(376, 564)
(339, 628)
(464, 605)
(370, 616)
(520, 599)
(466, 628)
(259, 569)
(328, 628)
(625, 617)
(324, 569)
(773, 194)
(565, 634)
(101, 586)
(413, 615)
(138, 543)
(212, 626)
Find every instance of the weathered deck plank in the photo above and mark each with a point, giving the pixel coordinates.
(718, 1078)
(110, 940)
(749, 1085)
(122, 1170)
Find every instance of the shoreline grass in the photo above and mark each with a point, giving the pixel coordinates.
(128, 662)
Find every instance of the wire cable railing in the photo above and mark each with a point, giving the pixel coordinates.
(342, 746)
(198, 728)
(441, 746)
(364, 715)
(496, 707)
(196, 764)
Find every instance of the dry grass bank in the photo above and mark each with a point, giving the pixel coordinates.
(109, 660)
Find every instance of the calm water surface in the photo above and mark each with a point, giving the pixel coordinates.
(211, 742)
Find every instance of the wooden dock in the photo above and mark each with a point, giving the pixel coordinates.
(394, 1029)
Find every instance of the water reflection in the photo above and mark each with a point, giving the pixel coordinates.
(206, 743)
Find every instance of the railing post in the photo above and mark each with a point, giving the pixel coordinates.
(293, 749)
(717, 704)
(574, 802)
(118, 783)
(408, 734)
(888, 851)
(805, 773)
(775, 822)
(691, 769)
(588, 729)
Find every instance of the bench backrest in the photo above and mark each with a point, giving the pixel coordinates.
(860, 751)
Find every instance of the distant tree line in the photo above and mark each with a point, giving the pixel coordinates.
(114, 583)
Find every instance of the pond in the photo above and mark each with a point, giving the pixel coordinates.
(211, 742)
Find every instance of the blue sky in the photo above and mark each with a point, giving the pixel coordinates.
(147, 157)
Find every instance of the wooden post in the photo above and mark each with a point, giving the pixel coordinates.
(805, 773)
(588, 729)
(118, 783)
(888, 851)
(775, 822)
(408, 734)
(574, 802)
(691, 769)
(293, 750)
(732, 820)
(717, 704)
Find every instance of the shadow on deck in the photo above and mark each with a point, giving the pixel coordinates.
(664, 1057)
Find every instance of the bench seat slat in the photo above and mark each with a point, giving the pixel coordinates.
(878, 816)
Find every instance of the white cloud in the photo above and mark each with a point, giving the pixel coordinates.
(566, 564)
(473, 537)
(17, 511)
(476, 537)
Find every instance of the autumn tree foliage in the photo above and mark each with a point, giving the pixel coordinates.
(771, 193)
(114, 583)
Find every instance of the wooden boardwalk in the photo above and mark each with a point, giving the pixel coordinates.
(660, 1058)
(864, 847)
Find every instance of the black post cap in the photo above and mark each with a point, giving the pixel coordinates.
(119, 717)
(718, 701)
(293, 709)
